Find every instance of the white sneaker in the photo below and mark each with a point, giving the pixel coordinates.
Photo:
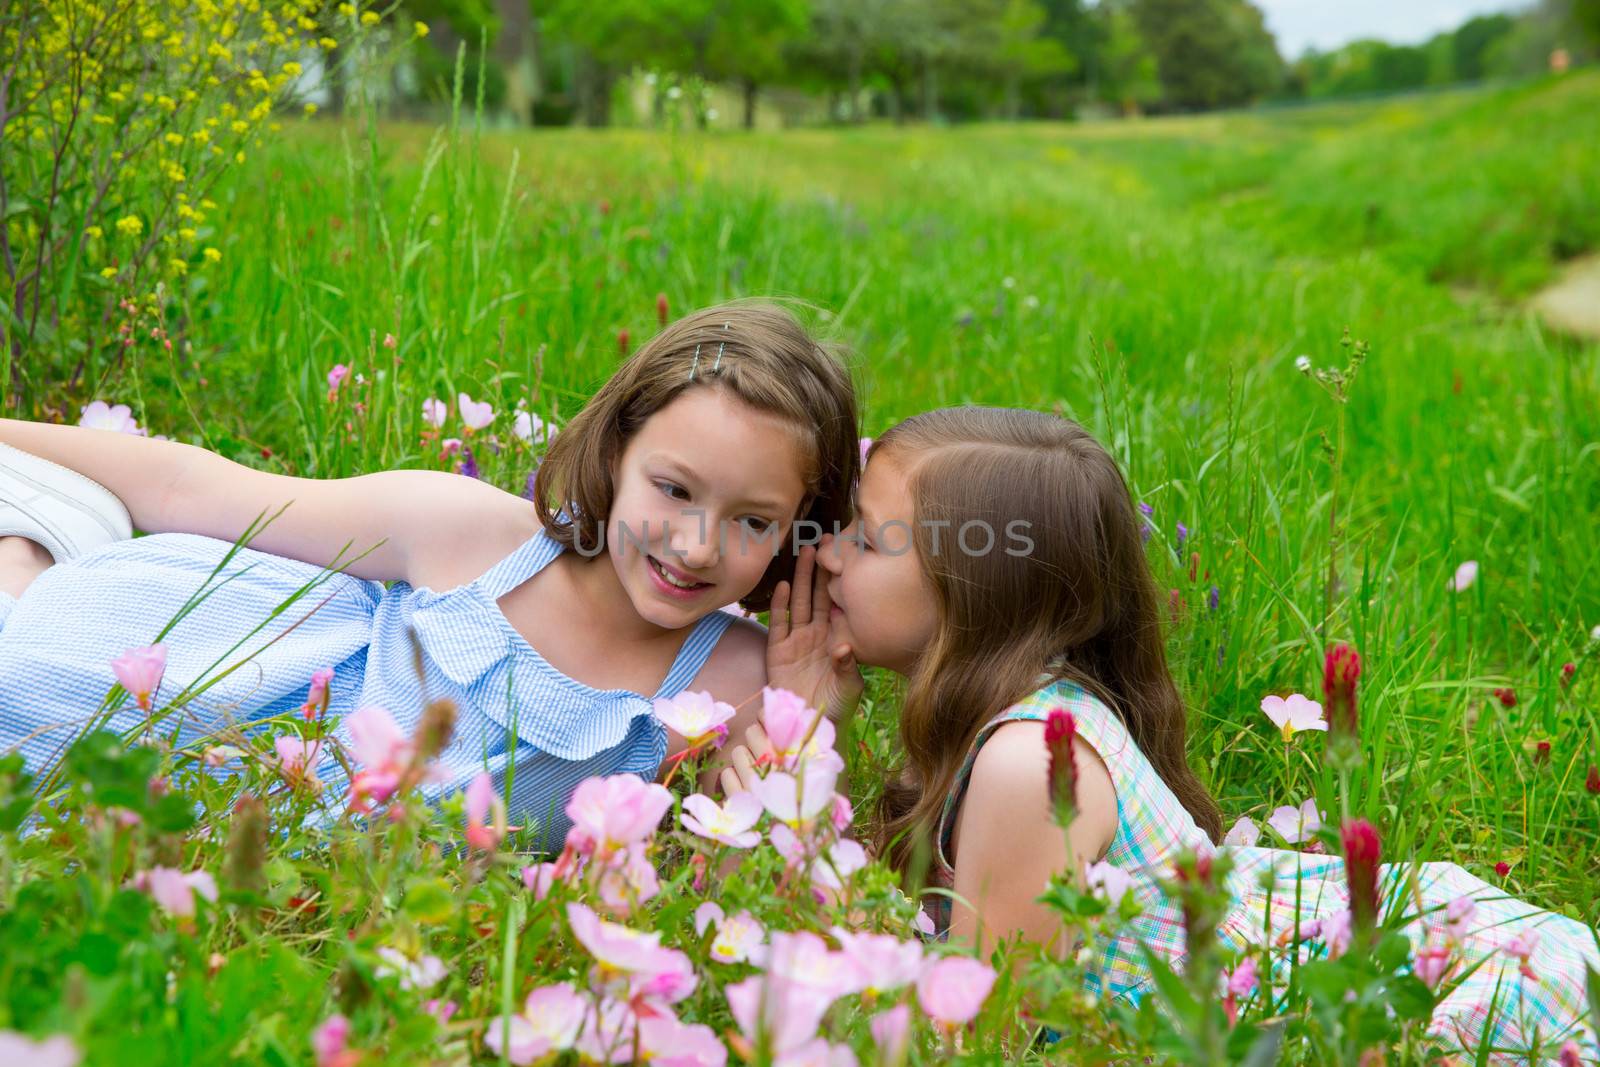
(60, 509)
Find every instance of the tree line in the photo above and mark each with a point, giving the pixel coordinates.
(566, 61)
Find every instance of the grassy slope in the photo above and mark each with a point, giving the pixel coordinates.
(1154, 280)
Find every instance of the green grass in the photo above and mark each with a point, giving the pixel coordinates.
(1154, 280)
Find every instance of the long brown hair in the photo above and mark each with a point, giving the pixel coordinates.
(1080, 603)
(758, 352)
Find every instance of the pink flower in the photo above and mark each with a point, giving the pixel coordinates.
(443, 1010)
(739, 939)
(1458, 915)
(783, 1013)
(539, 878)
(652, 972)
(449, 447)
(614, 812)
(1340, 672)
(1521, 948)
(884, 961)
(1108, 882)
(423, 972)
(1243, 833)
(117, 419)
(474, 415)
(628, 879)
(1295, 825)
(1464, 576)
(1570, 1055)
(56, 1050)
(729, 823)
(952, 989)
(389, 342)
(1293, 714)
(797, 801)
(336, 378)
(797, 731)
(385, 752)
(1362, 851)
(666, 1042)
(317, 694)
(842, 813)
(1241, 983)
(175, 890)
(835, 866)
(139, 671)
(891, 1032)
(696, 717)
(707, 914)
(805, 959)
(297, 759)
(1335, 932)
(483, 802)
(330, 1041)
(435, 411)
(1432, 964)
(549, 1022)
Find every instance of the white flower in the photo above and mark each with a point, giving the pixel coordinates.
(1303, 364)
(1293, 713)
(1008, 282)
(1108, 882)
(1296, 824)
(1465, 575)
(530, 427)
(739, 939)
(1244, 832)
(100, 416)
(424, 972)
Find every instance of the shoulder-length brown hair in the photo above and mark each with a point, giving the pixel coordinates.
(758, 352)
(1081, 604)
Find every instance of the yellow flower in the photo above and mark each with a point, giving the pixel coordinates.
(174, 139)
(370, 18)
(240, 126)
(274, 127)
(238, 157)
(292, 69)
(212, 255)
(108, 272)
(116, 97)
(347, 10)
(103, 120)
(94, 231)
(130, 225)
(200, 136)
(187, 233)
(167, 102)
(180, 266)
(175, 173)
(420, 29)
(328, 43)
(209, 205)
(311, 109)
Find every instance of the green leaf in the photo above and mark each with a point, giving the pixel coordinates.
(430, 900)
(1263, 1051)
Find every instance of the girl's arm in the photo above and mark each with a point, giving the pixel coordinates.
(1008, 846)
(429, 527)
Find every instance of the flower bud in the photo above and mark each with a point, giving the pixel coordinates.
(622, 342)
(1059, 731)
(662, 309)
(1340, 671)
(1361, 854)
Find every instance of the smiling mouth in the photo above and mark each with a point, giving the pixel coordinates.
(672, 578)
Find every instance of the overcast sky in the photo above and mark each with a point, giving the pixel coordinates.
(1329, 23)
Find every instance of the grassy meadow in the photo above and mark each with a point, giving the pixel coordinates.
(1155, 280)
(1302, 332)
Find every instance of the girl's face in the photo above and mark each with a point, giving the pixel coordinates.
(705, 493)
(883, 604)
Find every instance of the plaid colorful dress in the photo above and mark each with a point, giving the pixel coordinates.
(1510, 1005)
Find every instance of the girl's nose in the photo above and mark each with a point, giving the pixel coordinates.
(694, 546)
(829, 558)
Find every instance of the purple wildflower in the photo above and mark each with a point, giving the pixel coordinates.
(468, 465)
(1183, 534)
(1213, 598)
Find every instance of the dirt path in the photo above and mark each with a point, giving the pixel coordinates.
(1572, 303)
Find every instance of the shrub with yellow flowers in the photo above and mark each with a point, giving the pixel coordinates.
(118, 119)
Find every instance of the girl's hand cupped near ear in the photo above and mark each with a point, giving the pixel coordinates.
(801, 653)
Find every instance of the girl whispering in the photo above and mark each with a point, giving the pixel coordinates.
(550, 626)
(991, 635)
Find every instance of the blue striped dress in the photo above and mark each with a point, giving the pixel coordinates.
(518, 716)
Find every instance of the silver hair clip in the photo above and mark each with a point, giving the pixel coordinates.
(696, 365)
(720, 347)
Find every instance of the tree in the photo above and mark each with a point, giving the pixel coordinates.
(1210, 53)
(1471, 42)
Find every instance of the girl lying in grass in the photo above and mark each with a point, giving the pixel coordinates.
(995, 637)
(548, 631)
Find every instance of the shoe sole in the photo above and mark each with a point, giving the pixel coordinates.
(11, 466)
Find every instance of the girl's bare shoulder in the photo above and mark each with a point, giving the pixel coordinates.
(1010, 783)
